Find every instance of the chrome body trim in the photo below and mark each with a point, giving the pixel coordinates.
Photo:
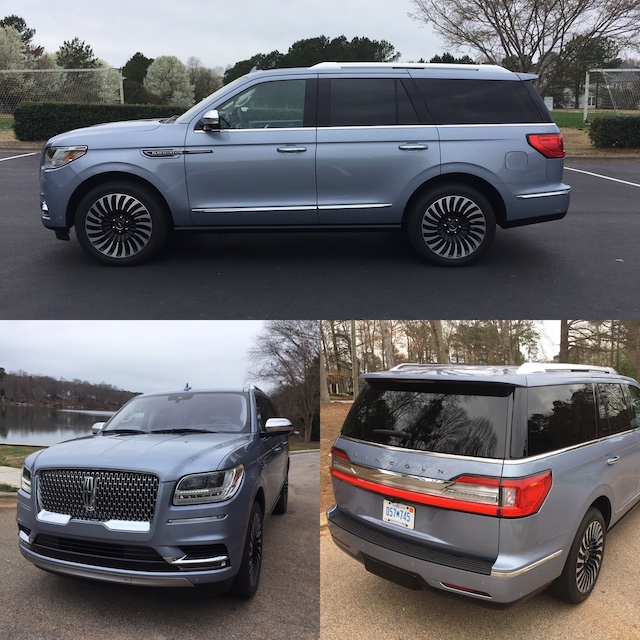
(525, 569)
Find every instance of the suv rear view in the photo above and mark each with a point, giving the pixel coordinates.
(491, 482)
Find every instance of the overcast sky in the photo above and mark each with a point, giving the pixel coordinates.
(219, 33)
(132, 355)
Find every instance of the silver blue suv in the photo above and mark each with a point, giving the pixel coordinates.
(445, 152)
(172, 491)
(490, 482)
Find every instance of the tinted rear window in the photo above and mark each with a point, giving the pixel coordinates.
(560, 416)
(459, 101)
(469, 420)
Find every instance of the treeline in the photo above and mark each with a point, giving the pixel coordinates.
(353, 347)
(20, 387)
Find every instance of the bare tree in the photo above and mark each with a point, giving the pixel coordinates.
(528, 35)
(286, 354)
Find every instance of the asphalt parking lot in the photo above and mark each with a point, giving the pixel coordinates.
(359, 606)
(38, 605)
(585, 265)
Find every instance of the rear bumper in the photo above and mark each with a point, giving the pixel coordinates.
(497, 581)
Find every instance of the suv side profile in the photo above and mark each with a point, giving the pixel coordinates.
(173, 490)
(490, 482)
(445, 152)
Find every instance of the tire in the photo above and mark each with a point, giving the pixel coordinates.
(246, 582)
(451, 225)
(121, 224)
(584, 562)
(283, 499)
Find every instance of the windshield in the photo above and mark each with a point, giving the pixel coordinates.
(215, 412)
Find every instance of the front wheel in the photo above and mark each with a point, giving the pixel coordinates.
(121, 224)
(451, 225)
(248, 577)
(584, 562)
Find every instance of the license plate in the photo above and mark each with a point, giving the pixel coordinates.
(400, 514)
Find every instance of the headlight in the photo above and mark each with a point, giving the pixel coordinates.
(216, 486)
(25, 480)
(55, 157)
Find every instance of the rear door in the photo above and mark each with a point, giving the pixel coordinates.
(373, 149)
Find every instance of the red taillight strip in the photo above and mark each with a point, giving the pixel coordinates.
(506, 497)
(550, 145)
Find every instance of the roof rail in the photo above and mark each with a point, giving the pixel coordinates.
(543, 367)
(408, 65)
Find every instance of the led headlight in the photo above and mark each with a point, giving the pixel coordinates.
(56, 157)
(201, 488)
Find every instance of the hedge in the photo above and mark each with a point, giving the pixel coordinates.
(615, 131)
(36, 121)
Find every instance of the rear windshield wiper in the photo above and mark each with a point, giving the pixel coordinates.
(403, 435)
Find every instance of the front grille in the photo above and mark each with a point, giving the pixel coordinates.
(98, 495)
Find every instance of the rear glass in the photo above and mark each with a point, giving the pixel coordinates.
(452, 101)
(467, 420)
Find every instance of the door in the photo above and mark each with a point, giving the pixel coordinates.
(259, 168)
(373, 151)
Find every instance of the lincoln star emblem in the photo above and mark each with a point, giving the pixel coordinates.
(89, 492)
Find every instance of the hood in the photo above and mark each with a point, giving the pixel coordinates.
(169, 456)
(122, 134)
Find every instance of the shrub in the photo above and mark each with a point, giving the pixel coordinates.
(42, 120)
(615, 131)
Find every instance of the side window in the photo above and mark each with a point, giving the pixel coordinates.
(613, 413)
(270, 105)
(452, 101)
(634, 392)
(560, 416)
(366, 102)
(265, 411)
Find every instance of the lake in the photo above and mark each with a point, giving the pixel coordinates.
(45, 425)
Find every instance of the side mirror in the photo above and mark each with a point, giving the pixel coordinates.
(211, 120)
(278, 426)
(97, 427)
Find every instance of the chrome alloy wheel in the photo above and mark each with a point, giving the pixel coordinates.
(118, 225)
(590, 557)
(453, 227)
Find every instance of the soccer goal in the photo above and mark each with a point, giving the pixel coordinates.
(615, 89)
(57, 85)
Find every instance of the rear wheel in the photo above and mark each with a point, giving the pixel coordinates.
(451, 225)
(121, 224)
(584, 562)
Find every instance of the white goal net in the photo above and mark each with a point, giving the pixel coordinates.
(613, 89)
(101, 85)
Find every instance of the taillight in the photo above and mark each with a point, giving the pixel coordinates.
(550, 145)
(498, 497)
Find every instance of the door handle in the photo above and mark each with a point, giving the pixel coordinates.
(413, 147)
(613, 460)
(292, 149)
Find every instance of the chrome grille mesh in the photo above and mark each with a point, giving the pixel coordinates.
(100, 495)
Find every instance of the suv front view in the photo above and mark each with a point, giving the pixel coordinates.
(172, 491)
(445, 152)
(490, 482)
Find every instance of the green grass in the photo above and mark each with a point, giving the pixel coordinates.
(6, 123)
(7, 488)
(14, 455)
(569, 119)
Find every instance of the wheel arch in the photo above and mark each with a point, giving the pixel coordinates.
(603, 505)
(113, 176)
(481, 185)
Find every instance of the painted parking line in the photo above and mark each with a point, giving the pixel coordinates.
(22, 155)
(599, 175)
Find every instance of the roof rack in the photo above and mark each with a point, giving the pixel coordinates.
(408, 65)
(543, 367)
